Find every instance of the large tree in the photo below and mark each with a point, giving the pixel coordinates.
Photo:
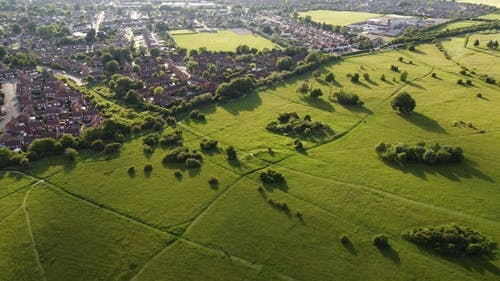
(403, 103)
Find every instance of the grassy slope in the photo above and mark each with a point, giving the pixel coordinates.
(223, 40)
(338, 17)
(339, 186)
(495, 3)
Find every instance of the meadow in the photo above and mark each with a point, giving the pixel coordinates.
(494, 3)
(222, 40)
(92, 220)
(338, 17)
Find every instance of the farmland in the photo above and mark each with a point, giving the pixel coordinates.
(93, 220)
(222, 40)
(338, 17)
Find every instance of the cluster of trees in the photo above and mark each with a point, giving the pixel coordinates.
(121, 85)
(208, 144)
(452, 240)
(353, 77)
(313, 93)
(293, 123)
(492, 44)
(271, 176)
(192, 159)
(430, 34)
(171, 139)
(236, 88)
(196, 115)
(20, 60)
(347, 99)
(433, 154)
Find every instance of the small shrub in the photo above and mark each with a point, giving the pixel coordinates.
(192, 163)
(148, 168)
(344, 239)
(147, 149)
(131, 170)
(178, 173)
(213, 181)
(112, 147)
(479, 95)
(380, 241)
(434, 75)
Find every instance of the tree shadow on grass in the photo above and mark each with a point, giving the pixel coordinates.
(350, 248)
(413, 84)
(479, 264)
(319, 104)
(337, 84)
(359, 83)
(358, 109)
(389, 253)
(388, 82)
(272, 186)
(247, 103)
(452, 171)
(371, 82)
(424, 122)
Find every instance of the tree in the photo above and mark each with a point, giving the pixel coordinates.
(284, 63)
(231, 153)
(303, 89)
(71, 153)
(476, 43)
(67, 140)
(3, 52)
(403, 103)
(16, 29)
(90, 37)
(366, 76)
(112, 67)
(5, 157)
(154, 52)
(355, 78)
(158, 90)
(330, 77)
(411, 47)
(133, 97)
(161, 26)
(316, 93)
(316, 74)
(403, 76)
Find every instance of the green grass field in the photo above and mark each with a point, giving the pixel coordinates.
(456, 24)
(338, 17)
(91, 220)
(494, 3)
(222, 40)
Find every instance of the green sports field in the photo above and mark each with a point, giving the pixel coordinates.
(92, 220)
(222, 40)
(338, 17)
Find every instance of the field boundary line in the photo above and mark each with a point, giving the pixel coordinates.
(30, 231)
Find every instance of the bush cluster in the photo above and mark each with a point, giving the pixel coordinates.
(174, 138)
(192, 159)
(347, 99)
(433, 154)
(196, 115)
(271, 176)
(112, 147)
(208, 144)
(453, 240)
(292, 122)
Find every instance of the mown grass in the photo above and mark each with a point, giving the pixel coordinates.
(222, 40)
(92, 220)
(338, 17)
